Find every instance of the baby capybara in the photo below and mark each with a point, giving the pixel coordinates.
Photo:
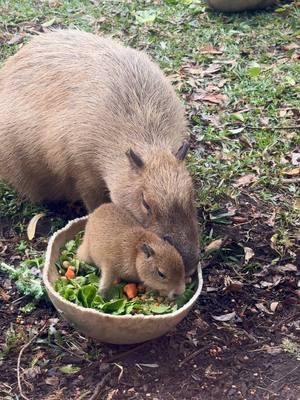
(122, 249)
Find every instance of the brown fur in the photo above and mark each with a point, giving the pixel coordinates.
(115, 243)
(71, 106)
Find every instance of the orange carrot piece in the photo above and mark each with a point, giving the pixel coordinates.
(130, 290)
(70, 274)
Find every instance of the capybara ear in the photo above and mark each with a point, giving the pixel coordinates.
(182, 151)
(147, 249)
(135, 160)
(169, 239)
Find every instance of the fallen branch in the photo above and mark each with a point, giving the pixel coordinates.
(19, 360)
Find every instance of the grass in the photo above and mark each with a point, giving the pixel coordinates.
(256, 72)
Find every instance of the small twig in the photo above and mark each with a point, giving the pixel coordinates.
(194, 354)
(283, 377)
(18, 299)
(68, 351)
(19, 360)
(121, 371)
(291, 180)
(100, 385)
(273, 128)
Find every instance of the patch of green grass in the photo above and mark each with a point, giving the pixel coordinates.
(12, 339)
(291, 347)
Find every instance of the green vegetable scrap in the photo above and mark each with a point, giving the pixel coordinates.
(27, 277)
(83, 288)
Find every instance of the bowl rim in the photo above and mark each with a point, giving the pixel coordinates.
(54, 293)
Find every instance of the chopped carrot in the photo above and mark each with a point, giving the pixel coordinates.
(130, 290)
(70, 274)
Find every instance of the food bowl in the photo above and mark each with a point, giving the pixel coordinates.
(117, 329)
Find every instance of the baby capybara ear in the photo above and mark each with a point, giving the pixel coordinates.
(182, 151)
(147, 249)
(135, 160)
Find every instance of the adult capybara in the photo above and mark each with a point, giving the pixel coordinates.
(81, 116)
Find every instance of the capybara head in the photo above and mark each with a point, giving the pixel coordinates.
(157, 190)
(160, 266)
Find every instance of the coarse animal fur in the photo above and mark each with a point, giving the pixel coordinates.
(122, 249)
(82, 117)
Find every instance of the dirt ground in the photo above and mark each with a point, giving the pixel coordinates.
(241, 358)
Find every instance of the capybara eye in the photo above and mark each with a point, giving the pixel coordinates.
(146, 205)
(163, 276)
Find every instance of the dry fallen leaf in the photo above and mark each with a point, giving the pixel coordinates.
(148, 365)
(239, 220)
(213, 119)
(296, 158)
(4, 296)
(295, 56)
(31, 228)
(271, 220)
(292, 172)
(234, 286)
(212, 69)
(224, 317)
(210, 50)
(262, 308)
(287, 268)
(190, 69)
(214, 245)
(249, 253)
(52, 380)
(274, 305)
(283, 112)
(222, 82)
(215, 98)
(49, 23)
(32, 372)
(16, 39)
(272, 350)
(290, 46)
(266, 284)
(54, 3)
(200, 323)
(245, 180)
